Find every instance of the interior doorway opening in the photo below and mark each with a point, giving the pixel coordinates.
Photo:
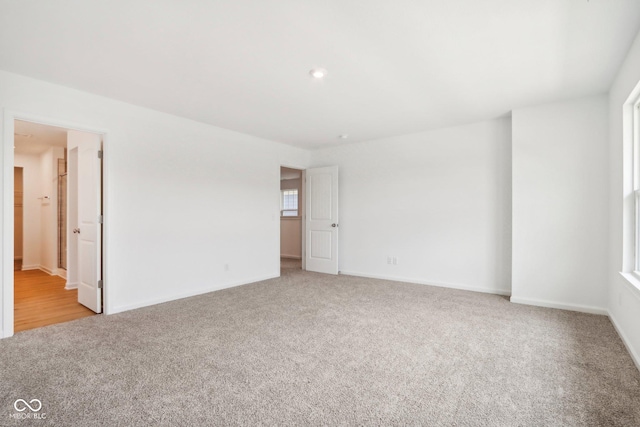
(46, 196)
(291, 218)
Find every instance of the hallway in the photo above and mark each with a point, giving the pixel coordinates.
(41, 299)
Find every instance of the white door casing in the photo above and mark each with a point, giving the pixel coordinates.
(321, 220)
(88, 231)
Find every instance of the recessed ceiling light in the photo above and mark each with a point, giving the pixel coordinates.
(318, 73)
(344, 136)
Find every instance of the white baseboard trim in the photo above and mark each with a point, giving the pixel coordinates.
(122, 308)
(562, 306)
(634, 356)
(290, 256)
(31, 267)
(62, 273)
(430, 283)
(47, 270)
(70, 286)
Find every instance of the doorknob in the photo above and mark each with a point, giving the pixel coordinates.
(76, 231)
(334, 225)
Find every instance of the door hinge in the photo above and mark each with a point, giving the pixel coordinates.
(100, 284)
(100, 154)
(101, 219)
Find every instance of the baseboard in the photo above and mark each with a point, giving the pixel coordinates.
(62, 273)
(561, 306)
(31, 267)
(634, 356)
(70, 286)
(47, 270)
(290, 256)
(122, 308)
(430, 283)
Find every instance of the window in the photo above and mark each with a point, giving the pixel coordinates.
(631, 188)
(289, 203)
(630, 138)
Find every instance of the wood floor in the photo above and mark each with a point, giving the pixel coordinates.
(41, 299)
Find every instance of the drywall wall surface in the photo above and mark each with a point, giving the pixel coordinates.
(560, 197)
(189, 208)
(437, 203)
(290, 238)
(32, 207)
(624, 297)
(49, 209)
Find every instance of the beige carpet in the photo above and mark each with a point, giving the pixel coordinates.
(311, 349)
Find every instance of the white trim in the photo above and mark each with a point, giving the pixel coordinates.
(69, 286)
(559, 305)
(634, 356)
(429, 283)
(48, 270)
(632, 283)
(201, 291)
(62, 273)
(630, 181)
(30, 267)
(7, 225)
(7, 252)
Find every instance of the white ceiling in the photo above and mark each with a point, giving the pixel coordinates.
(393, 67)
(34, 138)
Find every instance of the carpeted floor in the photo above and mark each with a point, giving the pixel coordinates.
(289, 263)
(312, 349)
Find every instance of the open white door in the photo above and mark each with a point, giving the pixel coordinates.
(88, 232)
(321, 195)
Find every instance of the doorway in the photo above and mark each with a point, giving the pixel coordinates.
(47, 196)
(291, 219)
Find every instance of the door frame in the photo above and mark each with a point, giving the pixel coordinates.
(7, 251)
(301, 203)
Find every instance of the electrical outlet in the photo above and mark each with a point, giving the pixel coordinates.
(226, 267)
(389, 260)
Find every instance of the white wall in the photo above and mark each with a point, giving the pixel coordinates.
(624, 298)
(32, 206)
(182, 198)
(49, 209)
(290, 238)
(560, 196)
(438, 201)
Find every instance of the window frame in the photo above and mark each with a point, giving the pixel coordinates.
(635, 134)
